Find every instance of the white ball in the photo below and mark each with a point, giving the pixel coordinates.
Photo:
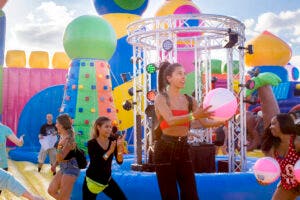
(223, 103)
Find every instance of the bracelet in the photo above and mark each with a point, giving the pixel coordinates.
(191, 116)
(120, 153)
(105, 156)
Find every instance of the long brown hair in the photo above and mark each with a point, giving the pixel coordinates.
(165, 69)
(286, 126)
(99, 122)
(66, 122)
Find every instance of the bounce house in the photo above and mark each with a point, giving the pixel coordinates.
(272, 55)
(110, 69)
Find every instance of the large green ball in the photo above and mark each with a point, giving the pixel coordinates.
(90, 37)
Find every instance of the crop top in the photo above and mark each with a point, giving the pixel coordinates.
(164, 124)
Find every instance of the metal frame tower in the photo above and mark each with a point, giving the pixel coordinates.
(161, 38)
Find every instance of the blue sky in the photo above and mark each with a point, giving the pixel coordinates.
(39, 24)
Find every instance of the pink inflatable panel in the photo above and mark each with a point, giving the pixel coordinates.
(20, 84)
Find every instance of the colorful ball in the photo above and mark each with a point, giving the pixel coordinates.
(223, 102)
(297, 171)
(90, 37)
(266, 170)
(179, 7)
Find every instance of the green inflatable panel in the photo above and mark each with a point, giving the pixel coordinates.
(189, 84)
(266, 78)
(235, 67)
(216, 66)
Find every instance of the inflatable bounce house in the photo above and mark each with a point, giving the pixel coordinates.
(272, 55)
(109, 68)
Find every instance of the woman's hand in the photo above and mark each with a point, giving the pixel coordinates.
(53, 168)
(112, 147)
(262, 183)
(22, 140)
(201, 112)
(120, 144)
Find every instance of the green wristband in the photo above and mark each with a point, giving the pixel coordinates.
(191, 116)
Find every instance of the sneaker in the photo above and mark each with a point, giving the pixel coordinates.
(39, 169)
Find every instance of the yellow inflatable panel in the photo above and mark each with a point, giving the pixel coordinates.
(120, 21)
(60, 60)
(120, 95)
(27, 174)
(268, 50)
(15, 58)
(39, 59)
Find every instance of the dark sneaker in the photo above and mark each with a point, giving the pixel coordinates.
(39, 169)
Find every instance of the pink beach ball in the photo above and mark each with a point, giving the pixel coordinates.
(223, 102)
(266, 170)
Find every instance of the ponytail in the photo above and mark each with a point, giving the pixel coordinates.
(161, 78)
(71, 132)
(165, 69)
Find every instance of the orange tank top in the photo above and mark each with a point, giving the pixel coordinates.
(164, 124)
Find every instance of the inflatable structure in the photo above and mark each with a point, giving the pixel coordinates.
(272, 55)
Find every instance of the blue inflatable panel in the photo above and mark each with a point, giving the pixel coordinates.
(28, 154)
(73, 74)
(2, 36)
(120, 62)
(143, 185)
(278, 70)
(33, 115)
(210, 186)
(282, 90)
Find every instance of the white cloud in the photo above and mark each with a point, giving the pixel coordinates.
(55, 12)
(250, 26)
(285, 25)
(43, 27)
(295, 61)
(152, 7)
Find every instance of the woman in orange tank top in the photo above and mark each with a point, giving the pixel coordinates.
(173, 164)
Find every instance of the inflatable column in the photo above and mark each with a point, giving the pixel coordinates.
(2, 48)
(89, 41)
(120, 14)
